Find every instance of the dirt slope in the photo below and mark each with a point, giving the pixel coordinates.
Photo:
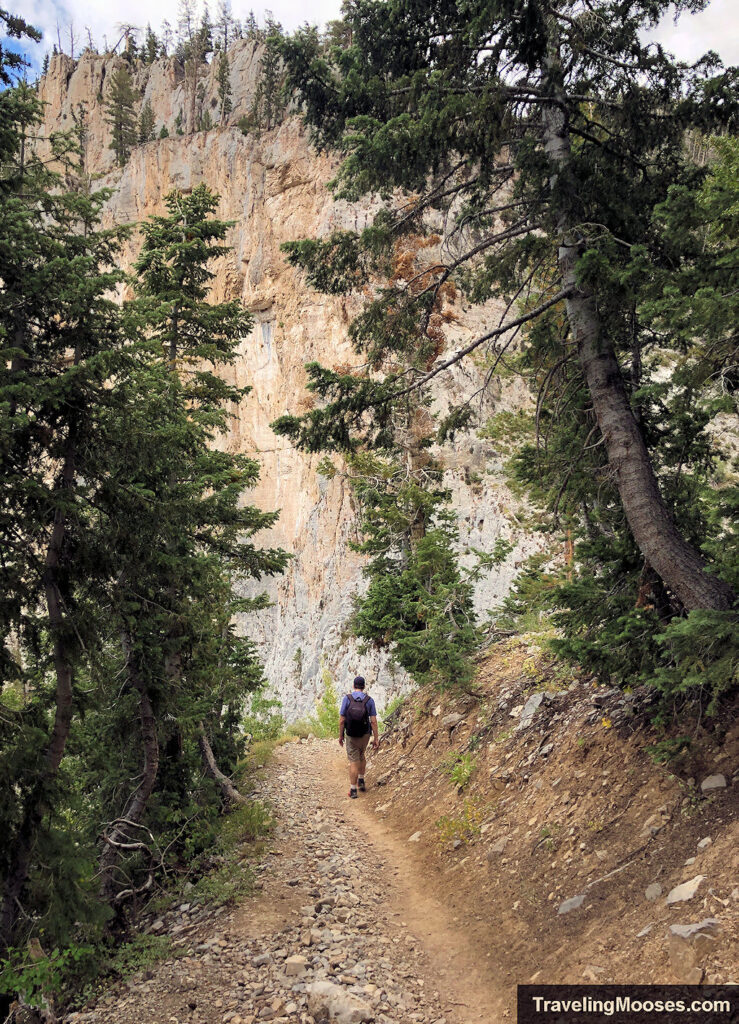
(558, 854)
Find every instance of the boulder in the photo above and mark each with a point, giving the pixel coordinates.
(326, 1000)
(684, 892)
(687, 944)
(713, 782)
(295, 965)
(530, 708)
(452, 721)
(653, 891)
(497, 848)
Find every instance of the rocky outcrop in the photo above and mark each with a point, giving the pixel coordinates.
(274, 189)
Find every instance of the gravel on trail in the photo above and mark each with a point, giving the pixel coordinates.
(322, 941)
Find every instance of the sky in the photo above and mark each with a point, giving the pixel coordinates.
(716, 28)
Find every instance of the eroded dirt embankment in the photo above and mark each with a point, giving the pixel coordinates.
(568, 854)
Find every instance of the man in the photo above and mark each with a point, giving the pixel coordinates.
(357, 720)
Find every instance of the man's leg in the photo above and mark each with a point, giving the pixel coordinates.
(362, 765)
(353, 755)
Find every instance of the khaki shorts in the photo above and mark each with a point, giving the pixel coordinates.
(356, 746)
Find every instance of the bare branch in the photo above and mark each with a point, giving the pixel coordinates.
(532, 314)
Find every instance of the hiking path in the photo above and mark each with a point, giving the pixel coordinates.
(345, 925)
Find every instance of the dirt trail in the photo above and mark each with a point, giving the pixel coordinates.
(459, 968)
(344, 928)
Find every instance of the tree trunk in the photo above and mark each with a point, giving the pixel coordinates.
(36, 808)
(120, 835)
(680, 566)
(229, 792)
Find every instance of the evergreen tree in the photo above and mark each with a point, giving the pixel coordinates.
(251, 27)
(269, 104)
(123, 538)
(178, 123)
(224, 87)
(61, 344)
(164, 132)
(45, 65)
(225, 24)
(146, 123)
(121, 115)
(197, 543)
(549, 139)
(151, 46)
(558, 95)
(167, 38)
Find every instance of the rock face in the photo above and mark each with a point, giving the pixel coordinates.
(274, 189)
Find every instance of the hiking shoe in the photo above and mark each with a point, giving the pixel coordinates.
(353, 794)
(362, 787)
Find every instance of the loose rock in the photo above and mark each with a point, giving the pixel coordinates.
(684, 892)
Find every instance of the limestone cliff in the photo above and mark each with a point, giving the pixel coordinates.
(274, 188)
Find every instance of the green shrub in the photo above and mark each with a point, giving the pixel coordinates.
(325, 721)
(460, 769)
(391, 708)
(700, 656)
(263, 717)
(666, 750)
(141, 952)
(37, 979)
(464, 826)
(222, 887)
(301, 729)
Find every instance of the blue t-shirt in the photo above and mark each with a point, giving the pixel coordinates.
(357, 695)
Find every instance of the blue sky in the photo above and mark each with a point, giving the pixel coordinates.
(715, 28)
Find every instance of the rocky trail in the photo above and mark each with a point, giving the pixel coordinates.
(343, 928)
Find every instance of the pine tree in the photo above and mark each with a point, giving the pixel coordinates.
(121, 115)
(146, 123)
(555, 91)
(124, 538)
(164, 132)
(11, 62)
(224, 87)
(151, 46)
(62, 343)
(269, 104)
(167, 38)
(225, 24)
(198, 539)
(251, 27)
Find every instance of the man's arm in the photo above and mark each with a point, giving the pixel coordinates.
(342, 720)
(375, 734)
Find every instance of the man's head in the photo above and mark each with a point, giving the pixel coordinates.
(358, 682)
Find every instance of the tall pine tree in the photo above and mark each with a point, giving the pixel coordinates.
(550, 136)
(121, 115)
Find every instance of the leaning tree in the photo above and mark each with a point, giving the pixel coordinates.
(545, 136)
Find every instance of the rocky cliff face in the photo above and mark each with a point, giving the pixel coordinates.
(274, 188)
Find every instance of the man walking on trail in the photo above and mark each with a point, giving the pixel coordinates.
(357, 720)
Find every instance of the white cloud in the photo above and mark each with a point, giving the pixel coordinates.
(715, 28)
